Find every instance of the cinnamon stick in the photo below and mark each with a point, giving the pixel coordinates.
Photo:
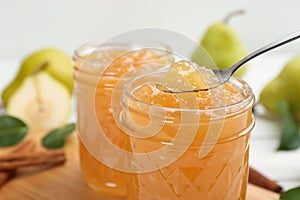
(256, 178)
(35, 159)
(25, 155)
(26, 146)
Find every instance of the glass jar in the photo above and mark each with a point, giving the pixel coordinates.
(199, 148)
(97, 69)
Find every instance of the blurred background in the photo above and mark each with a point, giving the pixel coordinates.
(29, 25)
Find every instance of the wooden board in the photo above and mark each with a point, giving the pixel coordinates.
(66, 182)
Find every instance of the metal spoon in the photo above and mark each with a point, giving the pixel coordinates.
(225, 74)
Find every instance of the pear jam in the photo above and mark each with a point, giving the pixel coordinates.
(215, 126)
(96, 72)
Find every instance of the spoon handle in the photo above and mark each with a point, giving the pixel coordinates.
(270, 46)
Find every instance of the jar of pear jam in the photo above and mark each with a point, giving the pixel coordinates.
(91, 63)
(206, 132)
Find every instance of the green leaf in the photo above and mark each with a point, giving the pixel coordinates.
(290, 138)
(292, 194)
(12, 130)
(55, 139)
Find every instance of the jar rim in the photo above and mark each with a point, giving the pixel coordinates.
(240, 84)
(82, 53)
(86, 49)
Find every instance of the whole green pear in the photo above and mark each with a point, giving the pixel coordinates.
(285, 87)
(223, 45)
(58, 64)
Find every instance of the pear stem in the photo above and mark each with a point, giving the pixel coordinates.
(232, 14)
(39, 68)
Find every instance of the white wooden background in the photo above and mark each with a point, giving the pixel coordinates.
(32, 24)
